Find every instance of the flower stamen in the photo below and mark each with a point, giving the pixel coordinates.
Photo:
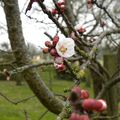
(63, 49)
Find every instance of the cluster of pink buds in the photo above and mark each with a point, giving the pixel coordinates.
(95, 105)
(51, 48)
(60, 49)
(61, 6)
(82, 105)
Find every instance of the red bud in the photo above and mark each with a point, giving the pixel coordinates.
(84, 94)
(89, 1)
(62, 7)
(96, 105)
(102, 24)
(53, 52)
(77, 91)
(45, 50)
(61, 67)
(59, 60)
(55, 40)
(104, 105)
(84, 117)
(54, 12)
(74, 116)
(60, 3)
(89, 104)
(82, 30)
(48, 44)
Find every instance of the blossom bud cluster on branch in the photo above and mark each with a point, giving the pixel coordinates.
(77, 38)
(60, 50)
(61, 6)
(82, 105)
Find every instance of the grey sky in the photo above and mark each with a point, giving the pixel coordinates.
(33, 32)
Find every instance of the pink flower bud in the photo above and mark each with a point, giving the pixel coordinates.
(84, 117)
(45, 50)
(89, 3)
(84, 94)
(48, 44)
(53, 52)
(59, 67)
(102, 24)
(54, 12)
(74, 116)
(77, 91)
(82, 30)
(60, 3)
(95, 105)
(58, 60)
(55, 40)
(104, 105)
(91, 104)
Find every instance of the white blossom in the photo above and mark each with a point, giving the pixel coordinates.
(65, 47)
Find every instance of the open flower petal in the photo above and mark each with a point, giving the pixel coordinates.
(65, 47)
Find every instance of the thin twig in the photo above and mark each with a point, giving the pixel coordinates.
(43, 114)
(26, 115)
(106, 117)
(16, 102)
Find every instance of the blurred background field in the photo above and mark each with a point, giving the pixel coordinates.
(9, 111)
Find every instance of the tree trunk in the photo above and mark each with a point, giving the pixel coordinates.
(32, 77)
(97, 81)
(18, 79)
(118, 61)
(110, 63)
(69, 12)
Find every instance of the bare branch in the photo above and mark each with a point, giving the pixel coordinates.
(16, 102)
(107, 86)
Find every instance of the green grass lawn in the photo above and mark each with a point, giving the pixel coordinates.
(9, 111)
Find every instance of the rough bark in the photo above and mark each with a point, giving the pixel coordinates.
(118, 60)
(110, 63)
(17, 41)
(97, 81)
(69, 12)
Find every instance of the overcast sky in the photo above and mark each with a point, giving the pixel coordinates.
(33, 32)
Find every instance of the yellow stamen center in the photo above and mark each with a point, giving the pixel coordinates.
(63, 49)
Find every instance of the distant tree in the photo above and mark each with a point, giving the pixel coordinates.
(32, 49)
